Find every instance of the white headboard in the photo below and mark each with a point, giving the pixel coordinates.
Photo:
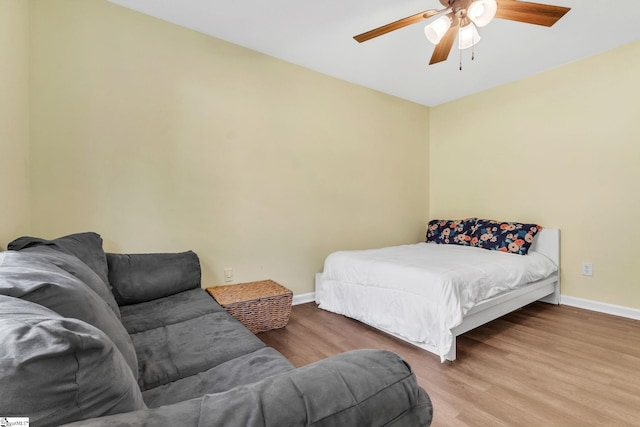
(547, 242)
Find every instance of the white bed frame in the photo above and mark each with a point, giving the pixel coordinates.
(547, 242)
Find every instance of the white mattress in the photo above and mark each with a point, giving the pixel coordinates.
(422, 291)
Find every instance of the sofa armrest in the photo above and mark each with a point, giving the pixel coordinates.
(357, 388)
(136, 278)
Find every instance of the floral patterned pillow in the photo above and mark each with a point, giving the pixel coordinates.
(451, 231)
(509, 237)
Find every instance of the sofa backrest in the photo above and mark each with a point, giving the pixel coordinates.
(136, 278)
(74, 266)
(87, 247)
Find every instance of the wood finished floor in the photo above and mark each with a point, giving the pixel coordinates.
(542, 365)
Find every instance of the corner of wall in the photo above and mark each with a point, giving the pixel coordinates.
(14, 118)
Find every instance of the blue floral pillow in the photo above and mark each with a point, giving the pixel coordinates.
(511, 237)
(451, 231)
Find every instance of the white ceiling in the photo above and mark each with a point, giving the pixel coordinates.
(318, 34)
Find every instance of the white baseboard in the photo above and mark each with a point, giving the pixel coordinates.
(304, 298)
(616, 310)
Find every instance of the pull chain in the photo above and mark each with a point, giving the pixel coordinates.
(460, 50)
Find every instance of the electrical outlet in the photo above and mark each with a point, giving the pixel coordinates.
(228, 274)
(587, 269)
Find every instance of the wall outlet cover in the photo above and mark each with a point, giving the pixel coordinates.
(587, 269)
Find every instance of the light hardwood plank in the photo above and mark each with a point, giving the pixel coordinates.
(540, 365)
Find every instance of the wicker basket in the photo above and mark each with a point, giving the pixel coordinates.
(260, 306)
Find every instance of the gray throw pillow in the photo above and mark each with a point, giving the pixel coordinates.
(86, 246)
(57, 370)
(23, 275)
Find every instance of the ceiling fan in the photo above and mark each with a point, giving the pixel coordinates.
(462, 17)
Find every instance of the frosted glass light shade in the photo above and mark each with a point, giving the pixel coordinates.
(437, 29)
(481, 12)
(468, 36)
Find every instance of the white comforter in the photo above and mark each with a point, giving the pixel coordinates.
(422, 291)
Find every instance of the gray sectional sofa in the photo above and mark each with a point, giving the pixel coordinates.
(99, 339)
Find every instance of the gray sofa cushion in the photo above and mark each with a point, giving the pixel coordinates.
(176, 351)
(86, 246)
(74, 266)
(57, 370)
(25, 275)
(168, 310)
(359, 388)
(143, 277)
(242, 370)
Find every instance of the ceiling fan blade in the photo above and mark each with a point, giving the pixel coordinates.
(396, 25)
(441, 52)
(531, 13)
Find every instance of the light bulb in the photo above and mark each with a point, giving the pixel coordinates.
(468, 36)
(437, 29)
(481, 12)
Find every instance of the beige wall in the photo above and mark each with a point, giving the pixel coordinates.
(163, 139)
(14, 119)
(562, 149)
(160, 138)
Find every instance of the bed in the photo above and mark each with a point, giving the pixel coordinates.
(428, 294)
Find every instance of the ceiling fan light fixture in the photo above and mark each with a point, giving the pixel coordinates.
(437, 29)
(481, 12)
(468, 36)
